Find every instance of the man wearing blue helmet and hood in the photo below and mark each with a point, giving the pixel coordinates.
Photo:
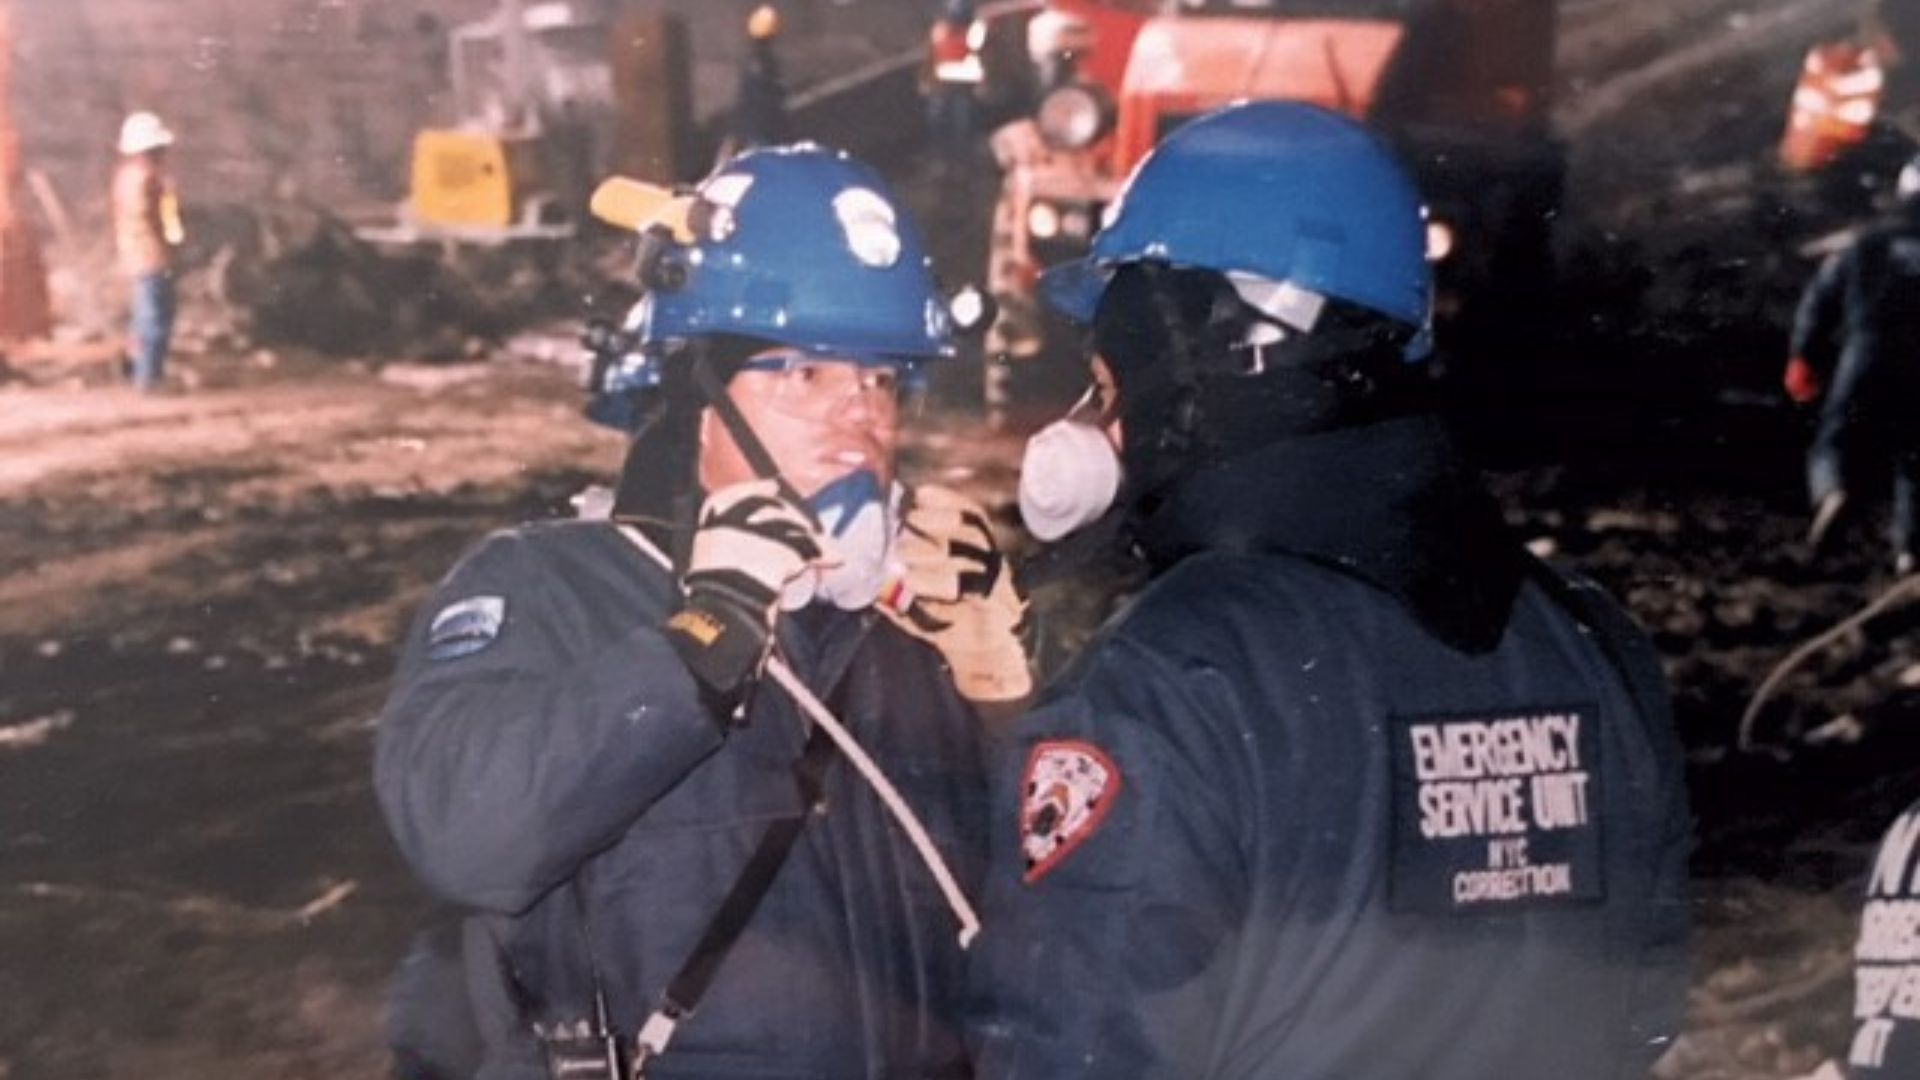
(1354, 787)
(676, 867)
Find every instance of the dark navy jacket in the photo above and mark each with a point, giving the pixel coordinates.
(1858, 325)
(1344, 794)
(544, 753)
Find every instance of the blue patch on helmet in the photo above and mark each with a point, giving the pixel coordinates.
(466, 627)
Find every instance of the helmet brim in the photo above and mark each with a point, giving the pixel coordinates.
(1073, 288)
(141, 144)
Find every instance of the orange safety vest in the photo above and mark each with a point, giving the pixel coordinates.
(145, 217)
(955, 51)
(1834, 105)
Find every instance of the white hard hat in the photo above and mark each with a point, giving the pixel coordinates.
(143, 131)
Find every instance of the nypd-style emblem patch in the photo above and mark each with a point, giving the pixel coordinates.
(1065, 795)
(465, 627)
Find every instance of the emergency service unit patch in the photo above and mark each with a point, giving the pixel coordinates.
(465, 627)
(1065, 794)
(1496, 813)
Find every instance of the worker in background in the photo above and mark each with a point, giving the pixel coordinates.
(146, 231)
(760, 101)
(951, 80)
(590, 740)
(1855, 349)
(1354, 787)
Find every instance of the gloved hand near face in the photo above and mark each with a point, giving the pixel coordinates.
(963, 599)
(750, 544)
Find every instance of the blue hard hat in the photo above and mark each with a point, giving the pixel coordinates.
(1280, 190)
(805, 247)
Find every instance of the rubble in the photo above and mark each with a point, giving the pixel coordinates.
(292, 274)
(289, 276)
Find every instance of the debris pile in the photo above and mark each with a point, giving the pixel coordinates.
(291, 275)
(294, 275)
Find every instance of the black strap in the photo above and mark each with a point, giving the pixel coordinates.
(758, 457)
(684, 992)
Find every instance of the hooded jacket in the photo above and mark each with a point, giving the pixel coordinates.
(1348, 791)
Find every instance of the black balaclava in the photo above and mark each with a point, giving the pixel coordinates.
(1212, 424)
(1193, 393)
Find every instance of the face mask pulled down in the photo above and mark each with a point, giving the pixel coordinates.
(858, 519)
(1069, 477)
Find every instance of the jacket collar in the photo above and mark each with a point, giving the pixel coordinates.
(1388, 503)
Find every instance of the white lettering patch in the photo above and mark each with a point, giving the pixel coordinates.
(1065, 795)
(1495, 812)
(465, 627)
(1886, 972)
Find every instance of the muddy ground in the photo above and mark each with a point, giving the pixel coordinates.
(200, 594)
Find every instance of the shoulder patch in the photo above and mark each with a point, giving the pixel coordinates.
(1065, 794)
(465, 627)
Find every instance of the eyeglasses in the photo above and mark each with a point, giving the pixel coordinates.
(815, 388)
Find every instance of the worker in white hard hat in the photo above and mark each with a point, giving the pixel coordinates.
(146, 231)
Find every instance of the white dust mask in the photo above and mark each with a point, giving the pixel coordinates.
(858, 526)
(1068, 478)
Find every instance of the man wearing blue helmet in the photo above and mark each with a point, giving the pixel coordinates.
(1353, 788)
(675, 865)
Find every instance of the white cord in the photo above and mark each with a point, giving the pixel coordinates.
(889, 795)
(870, 770)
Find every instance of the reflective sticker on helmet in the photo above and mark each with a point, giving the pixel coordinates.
(872, 229)
(465, 627)
(1282, 301)
(1065, 794)
(722, 196)
(727, 189)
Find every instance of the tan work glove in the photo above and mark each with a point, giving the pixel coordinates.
(962, 597)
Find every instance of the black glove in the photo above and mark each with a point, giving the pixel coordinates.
(751, 542)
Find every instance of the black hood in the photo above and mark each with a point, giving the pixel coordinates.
(1389, 503)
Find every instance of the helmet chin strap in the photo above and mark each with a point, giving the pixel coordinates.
(758, 458)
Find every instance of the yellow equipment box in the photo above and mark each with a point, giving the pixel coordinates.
(471, 178)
